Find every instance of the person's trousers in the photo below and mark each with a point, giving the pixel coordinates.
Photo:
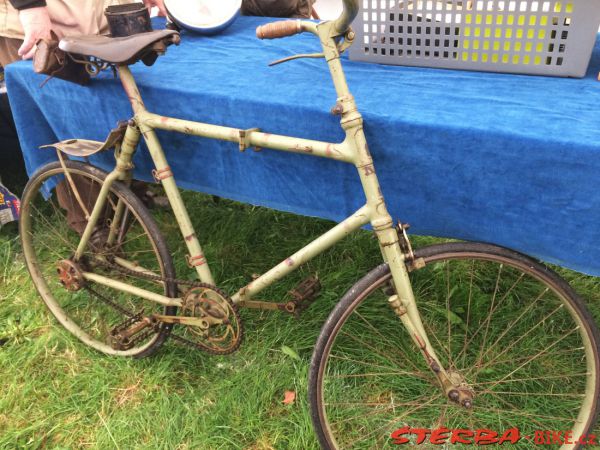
(8, 50)
(8, 133)
(10, 151)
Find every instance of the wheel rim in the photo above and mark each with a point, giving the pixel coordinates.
(47, 239)
(385, 385)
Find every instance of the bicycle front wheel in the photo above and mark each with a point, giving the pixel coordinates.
(506, 328)
(50, 232)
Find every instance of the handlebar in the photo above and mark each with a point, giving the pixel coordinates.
(349, 13)
(287, 28)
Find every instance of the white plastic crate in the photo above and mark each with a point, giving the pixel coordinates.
(544, 37)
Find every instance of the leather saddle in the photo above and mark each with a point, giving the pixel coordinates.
(122, 50)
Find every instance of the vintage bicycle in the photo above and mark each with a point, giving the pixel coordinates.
(458, 335)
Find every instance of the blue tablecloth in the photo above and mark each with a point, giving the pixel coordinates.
(512, 160)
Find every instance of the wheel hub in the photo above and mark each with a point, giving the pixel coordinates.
(70, 275)
(459, 391)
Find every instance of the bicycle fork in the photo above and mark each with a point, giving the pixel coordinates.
(403, 302)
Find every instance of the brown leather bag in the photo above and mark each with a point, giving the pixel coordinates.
(52, 61)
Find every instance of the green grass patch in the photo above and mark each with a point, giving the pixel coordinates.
(57, 393)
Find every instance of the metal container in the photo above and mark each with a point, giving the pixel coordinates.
(203, 16)
(128, 19)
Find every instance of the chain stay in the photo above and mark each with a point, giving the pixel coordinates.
(158, 278)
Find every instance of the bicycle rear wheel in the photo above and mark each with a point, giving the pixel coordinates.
(49, 235)
(509, 329)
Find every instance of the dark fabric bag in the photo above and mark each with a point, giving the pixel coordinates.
(52, 61)
(278, 8)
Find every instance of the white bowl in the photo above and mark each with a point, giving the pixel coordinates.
(203, 16)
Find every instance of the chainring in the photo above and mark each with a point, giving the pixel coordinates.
(182, 335)
(220, 328)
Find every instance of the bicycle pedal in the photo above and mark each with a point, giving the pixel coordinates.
(125, 335)
(304, 295)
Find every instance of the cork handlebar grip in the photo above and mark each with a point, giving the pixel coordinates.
(279, 29)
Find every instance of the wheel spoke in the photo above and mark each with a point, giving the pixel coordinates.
(52, 229)
(549, 377)
(514, 343)
(489, 317)
(372, 348)
(517, 412)
(533, 358)
(392, 421)
(50, 249)
(48, 236)
(470, 299)
(534, 394)
(522, 353)
(387, 340)
(515, 322)
(370, 364)
(501, 301)
(377, 374)
(448, 322)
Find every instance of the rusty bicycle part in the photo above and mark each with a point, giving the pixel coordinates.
(135, 329)
(86, 308)
(70, 275)
(302, 296)
(209, 319)
(499, 322)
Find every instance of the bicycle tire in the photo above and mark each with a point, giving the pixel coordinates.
(322, 390)
(148, 245)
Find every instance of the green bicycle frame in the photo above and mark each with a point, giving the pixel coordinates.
(353, 150)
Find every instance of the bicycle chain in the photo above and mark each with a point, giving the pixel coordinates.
(176, 281)
(123, 311)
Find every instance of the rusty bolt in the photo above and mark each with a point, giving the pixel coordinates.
(435, 367)
(454, 395)
(350, 36)
(337, 110)
(467, 404)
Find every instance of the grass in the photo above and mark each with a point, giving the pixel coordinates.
(57, 393)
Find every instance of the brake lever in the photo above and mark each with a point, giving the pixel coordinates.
(294, 57)
(344, 44)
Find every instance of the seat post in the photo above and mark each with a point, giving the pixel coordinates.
(131, 89)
